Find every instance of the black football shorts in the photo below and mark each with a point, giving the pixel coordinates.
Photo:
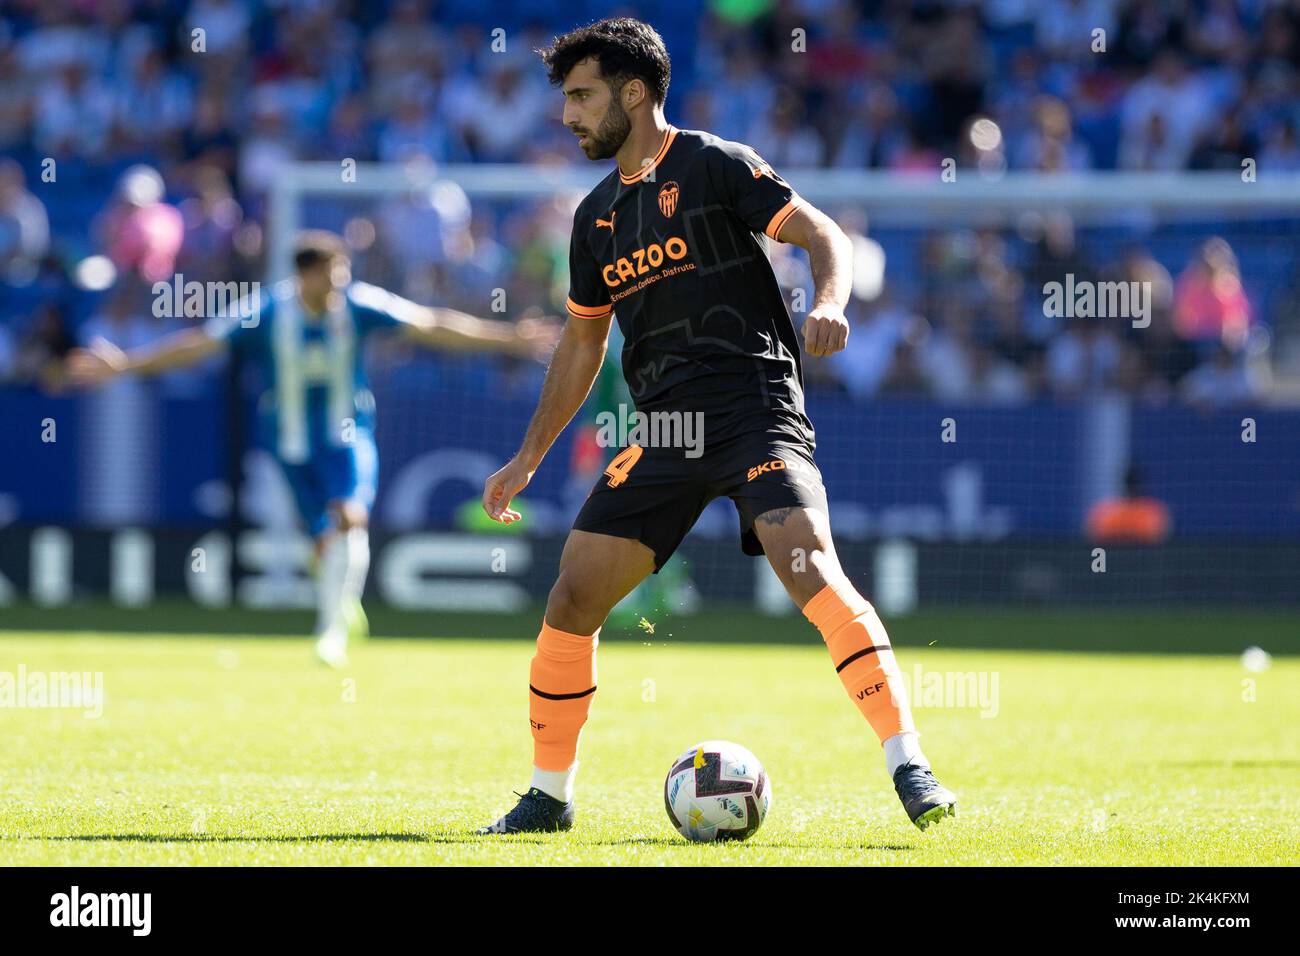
(655, 495)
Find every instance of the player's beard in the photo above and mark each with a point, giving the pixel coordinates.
(609, 137)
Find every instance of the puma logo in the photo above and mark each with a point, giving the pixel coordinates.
(607, 222)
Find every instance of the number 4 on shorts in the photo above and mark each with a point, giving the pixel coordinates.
(622, 464)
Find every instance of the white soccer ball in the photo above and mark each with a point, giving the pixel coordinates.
(717, 790)
(1256, 659)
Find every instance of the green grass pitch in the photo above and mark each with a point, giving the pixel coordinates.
(239, 750)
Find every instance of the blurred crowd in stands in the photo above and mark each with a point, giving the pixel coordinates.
(138, 139)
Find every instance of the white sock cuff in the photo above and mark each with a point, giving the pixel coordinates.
(358, 563)
(904, 748)
(556, 783)
(330, 578)
(358, 539)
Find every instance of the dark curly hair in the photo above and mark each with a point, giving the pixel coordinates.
(316, 246)
(625, 49)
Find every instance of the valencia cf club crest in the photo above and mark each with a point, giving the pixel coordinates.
(668, 198)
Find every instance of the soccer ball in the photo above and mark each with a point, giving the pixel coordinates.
(717, 790)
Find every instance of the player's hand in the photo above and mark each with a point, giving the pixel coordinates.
(95, 365)
(825, 331)
(538, 337)
(501, 487)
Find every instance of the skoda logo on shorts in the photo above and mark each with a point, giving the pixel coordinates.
(775, 465)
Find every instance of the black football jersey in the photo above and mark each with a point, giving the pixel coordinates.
(679, 253)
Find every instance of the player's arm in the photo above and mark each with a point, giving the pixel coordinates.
(102, 360)
(830, 256)
(452, 330)
(569, 378)
(448, 329)
(766, 203)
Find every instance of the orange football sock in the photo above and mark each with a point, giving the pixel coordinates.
(863, 657)
(561, 685)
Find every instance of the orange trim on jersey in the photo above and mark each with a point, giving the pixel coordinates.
(782, 215)
(640, 174)
(590, 311)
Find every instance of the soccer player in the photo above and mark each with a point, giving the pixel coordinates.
(673, 243)
(317, 415)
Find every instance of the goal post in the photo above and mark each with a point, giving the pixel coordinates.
(904, 196)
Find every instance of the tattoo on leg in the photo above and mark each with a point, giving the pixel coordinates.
(776, 515)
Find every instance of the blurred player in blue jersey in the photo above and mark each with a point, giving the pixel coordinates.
(317, 414)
